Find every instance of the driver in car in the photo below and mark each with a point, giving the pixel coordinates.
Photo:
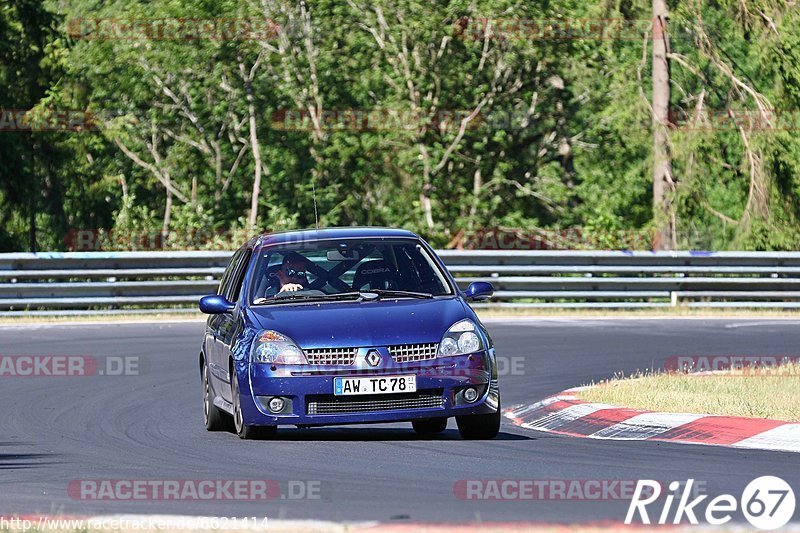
(292, 274)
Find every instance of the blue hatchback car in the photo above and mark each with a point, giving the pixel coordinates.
(346, 326)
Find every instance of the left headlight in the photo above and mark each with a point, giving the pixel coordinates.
(462, 338)
(276, 348)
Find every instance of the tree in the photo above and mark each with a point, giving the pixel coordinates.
(663, 183)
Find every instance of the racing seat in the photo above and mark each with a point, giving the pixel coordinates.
(377, 274)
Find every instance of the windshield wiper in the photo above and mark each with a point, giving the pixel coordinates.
(361, 296)
(401, 294)
(308, 297)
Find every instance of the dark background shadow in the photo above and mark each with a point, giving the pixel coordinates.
(374, 435)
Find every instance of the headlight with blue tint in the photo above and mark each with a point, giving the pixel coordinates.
(275, 348)
(462, 338)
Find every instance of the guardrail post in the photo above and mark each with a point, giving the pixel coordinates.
(673, 299)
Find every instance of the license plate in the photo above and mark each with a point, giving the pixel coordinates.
(378, 385)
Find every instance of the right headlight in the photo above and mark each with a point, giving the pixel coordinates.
(275, 348)
(462, 338)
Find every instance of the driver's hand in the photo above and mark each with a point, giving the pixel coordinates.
(292, 287)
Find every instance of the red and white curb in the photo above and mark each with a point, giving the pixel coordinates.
(565, 414)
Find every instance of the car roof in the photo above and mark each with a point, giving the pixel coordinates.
(352, 232)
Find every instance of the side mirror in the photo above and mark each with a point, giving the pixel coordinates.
(215, 305)
(478, 291)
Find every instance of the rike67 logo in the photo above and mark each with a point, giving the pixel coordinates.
(767, 502)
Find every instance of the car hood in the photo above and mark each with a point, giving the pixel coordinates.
(377, 323)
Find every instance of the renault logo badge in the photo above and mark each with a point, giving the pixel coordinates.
(373, 358)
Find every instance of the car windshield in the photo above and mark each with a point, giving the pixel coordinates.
(347, 268)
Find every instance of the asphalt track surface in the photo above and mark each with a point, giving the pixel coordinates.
(149, 427)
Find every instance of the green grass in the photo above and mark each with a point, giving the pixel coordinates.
(774, 395)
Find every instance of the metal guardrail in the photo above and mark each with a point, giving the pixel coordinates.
(146, 281)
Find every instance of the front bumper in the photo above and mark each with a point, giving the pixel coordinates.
(308, 392)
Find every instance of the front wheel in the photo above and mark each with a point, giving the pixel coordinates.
(244, 431)
(429, 426)
(479, 427)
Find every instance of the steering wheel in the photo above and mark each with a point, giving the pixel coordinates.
(306, 292)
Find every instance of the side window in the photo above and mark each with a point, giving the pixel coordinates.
(265, 284)
(232, 295)
(429, 276)
(225, 283)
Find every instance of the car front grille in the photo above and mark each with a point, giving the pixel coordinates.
(329, 404)
(409, 353)
(331, 356)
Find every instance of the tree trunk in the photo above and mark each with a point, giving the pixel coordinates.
(477, 185)
(167, 218)
(32, 224)
(568, 170)
(663, 214)
(427, 207)
(427, 186)
(253, 217)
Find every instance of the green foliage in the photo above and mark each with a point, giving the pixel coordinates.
(561, 133)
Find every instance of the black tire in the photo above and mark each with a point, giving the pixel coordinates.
(429, 426)
(214, 418)
(244, 431)
(479, 427)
